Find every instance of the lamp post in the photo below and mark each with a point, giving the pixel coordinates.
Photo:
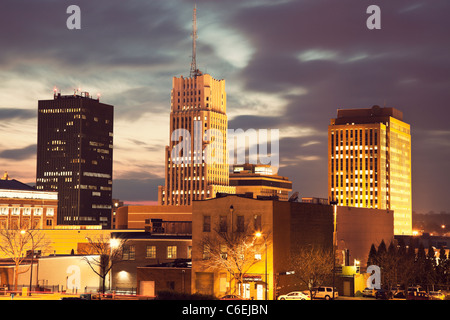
(334, 204)
(32, 256)
(114, 244)
(259, 235)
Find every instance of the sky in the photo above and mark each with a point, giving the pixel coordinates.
(288, 65)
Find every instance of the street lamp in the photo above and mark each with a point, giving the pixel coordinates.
(259, 235)
(334, 204)
(32, 255)
(114, 243)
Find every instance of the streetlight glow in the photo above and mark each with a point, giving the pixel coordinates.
(114, 243)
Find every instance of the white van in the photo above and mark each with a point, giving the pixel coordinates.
(324, 293)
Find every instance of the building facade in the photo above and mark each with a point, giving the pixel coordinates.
(165, 277)
(197, 164)
(75, 156)
(138, 217)
(70, 274)
(23, 207)
(369, 162)
(274, 228)
(146, 249)
(260, 180)
(359, 228)
(277, 229)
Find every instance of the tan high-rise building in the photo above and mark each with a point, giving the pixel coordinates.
(369, 162)
(197, 156)
(193, 173)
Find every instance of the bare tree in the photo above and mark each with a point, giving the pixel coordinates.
(312, 265)
(15, 245)
(109, 251)
(234, 251)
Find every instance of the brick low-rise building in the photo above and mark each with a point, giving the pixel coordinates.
(286, 226)
(143, 249)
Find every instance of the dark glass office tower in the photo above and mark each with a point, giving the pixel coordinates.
(75, 157)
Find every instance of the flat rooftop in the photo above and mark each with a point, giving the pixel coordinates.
(367, 115)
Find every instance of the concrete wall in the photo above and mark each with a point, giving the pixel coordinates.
(359, 228)
(72, 271)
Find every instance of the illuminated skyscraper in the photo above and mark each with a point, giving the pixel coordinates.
(74, 157)
(198, 107)
(369, 162)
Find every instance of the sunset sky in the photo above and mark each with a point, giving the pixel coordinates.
(288, 65)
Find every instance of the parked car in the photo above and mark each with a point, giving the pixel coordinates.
(368, 292)
(399, 294)
(414, 289)
(383, 294)
(418, 295)
(81, 297)
(324, 293)
(437, 295)
(232, 297)
(295, 295)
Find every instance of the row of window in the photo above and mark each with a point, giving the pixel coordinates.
(129, 252)
(23, 223)
(370, 136)
(26, 211)
(223, 223)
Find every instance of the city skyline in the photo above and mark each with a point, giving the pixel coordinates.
(291, 74)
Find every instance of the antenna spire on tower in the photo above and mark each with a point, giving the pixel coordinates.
(194, 70)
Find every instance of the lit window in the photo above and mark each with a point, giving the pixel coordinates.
(171, 252)
(128, 253)
(151, 252)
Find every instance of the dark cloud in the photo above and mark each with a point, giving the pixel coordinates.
(317, 56)
(7, 114)
(341, 64)
(19, 154)
(254, 122)
(110, 33)
(137, 189)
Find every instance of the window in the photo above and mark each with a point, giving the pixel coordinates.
(223, 251)
(240, 224)
(223, 224)
(257, 222)
(206, 252)
(206, 223)
(151, 252)
(171, 252)
(128, 253)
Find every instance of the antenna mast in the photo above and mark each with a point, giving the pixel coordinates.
(194, 70)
